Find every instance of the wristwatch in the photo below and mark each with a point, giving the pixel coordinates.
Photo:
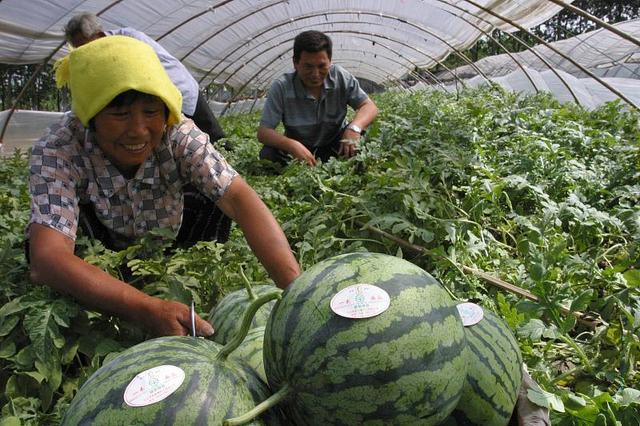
(355, 128)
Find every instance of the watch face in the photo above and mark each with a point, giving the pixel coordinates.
(354, 128)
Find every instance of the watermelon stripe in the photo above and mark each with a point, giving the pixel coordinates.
(373, 347)
(473, 382)
(494, 374)
(406, 365)
(210, 389)
(479, 350)
(328, 324)
(510, 343)
(227, 315)
(461, 418)
(482, 348)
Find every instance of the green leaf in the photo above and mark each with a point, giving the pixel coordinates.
(42, 327)
(7, 349)
(629, 396)
(545, 399)
(537, 271)
(69, 352)
(107, 346)
(35, 375)
(7, 324)
(14, 306)
(10, 421)
(536, 329)
(568, 323)
(582, 301)
(633, 278)
(576, 401)
(26, 357)
(51, 370)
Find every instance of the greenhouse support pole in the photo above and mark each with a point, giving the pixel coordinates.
(597, 20)
(234, 48)
(530, 49)
(37, 72)
(219, 73)
(28, 84)
(541, 41)
(497, 42)
(331, 32)
(404, 21)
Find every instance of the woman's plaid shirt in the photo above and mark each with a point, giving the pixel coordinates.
(67, 168)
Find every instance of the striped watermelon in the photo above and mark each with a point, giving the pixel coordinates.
(250, 351)
(405, 365)
(225, 317)
(494, 374)
(211, 391)
(214, 386)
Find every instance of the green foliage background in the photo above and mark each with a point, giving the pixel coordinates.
(541, 195)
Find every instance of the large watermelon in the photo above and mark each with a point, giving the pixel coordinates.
(225, 317)
(403, 366)
(494, 374)
(172, 381)
(250, 351)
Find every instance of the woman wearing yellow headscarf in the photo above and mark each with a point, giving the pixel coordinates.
(117, 166)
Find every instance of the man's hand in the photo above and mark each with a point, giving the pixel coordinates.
(349, 143)
(171, 318)
(301, 152)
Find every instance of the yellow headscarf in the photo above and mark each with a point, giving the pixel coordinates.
(101, 70)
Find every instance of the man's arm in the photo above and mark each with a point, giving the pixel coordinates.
(53, 263)
(260, 228)
(271, 137)
(365, 114)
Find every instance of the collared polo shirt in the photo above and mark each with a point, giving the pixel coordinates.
(178, 73)
(314, 122)
(67, 167)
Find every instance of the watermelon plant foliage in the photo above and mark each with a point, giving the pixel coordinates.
(542, 195)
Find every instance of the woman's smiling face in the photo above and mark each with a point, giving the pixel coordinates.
(128, 132)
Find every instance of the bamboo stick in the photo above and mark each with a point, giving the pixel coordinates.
(490, 279)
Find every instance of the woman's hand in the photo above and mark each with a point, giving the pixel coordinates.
(171, 318)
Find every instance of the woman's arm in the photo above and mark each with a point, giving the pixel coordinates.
(53, 263)
(262, 231)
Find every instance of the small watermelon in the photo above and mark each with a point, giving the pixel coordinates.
(175, 380)
(250, 351)
(405, 365)
(225, 317)
(494, 374)
(211, 390)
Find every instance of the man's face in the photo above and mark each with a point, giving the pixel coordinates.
(312, 68)
(128, 134)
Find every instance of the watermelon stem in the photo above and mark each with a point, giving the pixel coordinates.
(247, 285)
(247, 319)
(268, 403)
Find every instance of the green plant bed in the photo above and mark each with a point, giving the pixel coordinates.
(542, 195)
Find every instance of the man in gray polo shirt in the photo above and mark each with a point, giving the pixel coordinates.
(312, 104)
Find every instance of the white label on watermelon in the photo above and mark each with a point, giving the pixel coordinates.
(153, 385)
(360, 301)
(470, 313)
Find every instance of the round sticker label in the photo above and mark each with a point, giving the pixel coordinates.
(153, 385)
(360, 301)
(470, 313)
